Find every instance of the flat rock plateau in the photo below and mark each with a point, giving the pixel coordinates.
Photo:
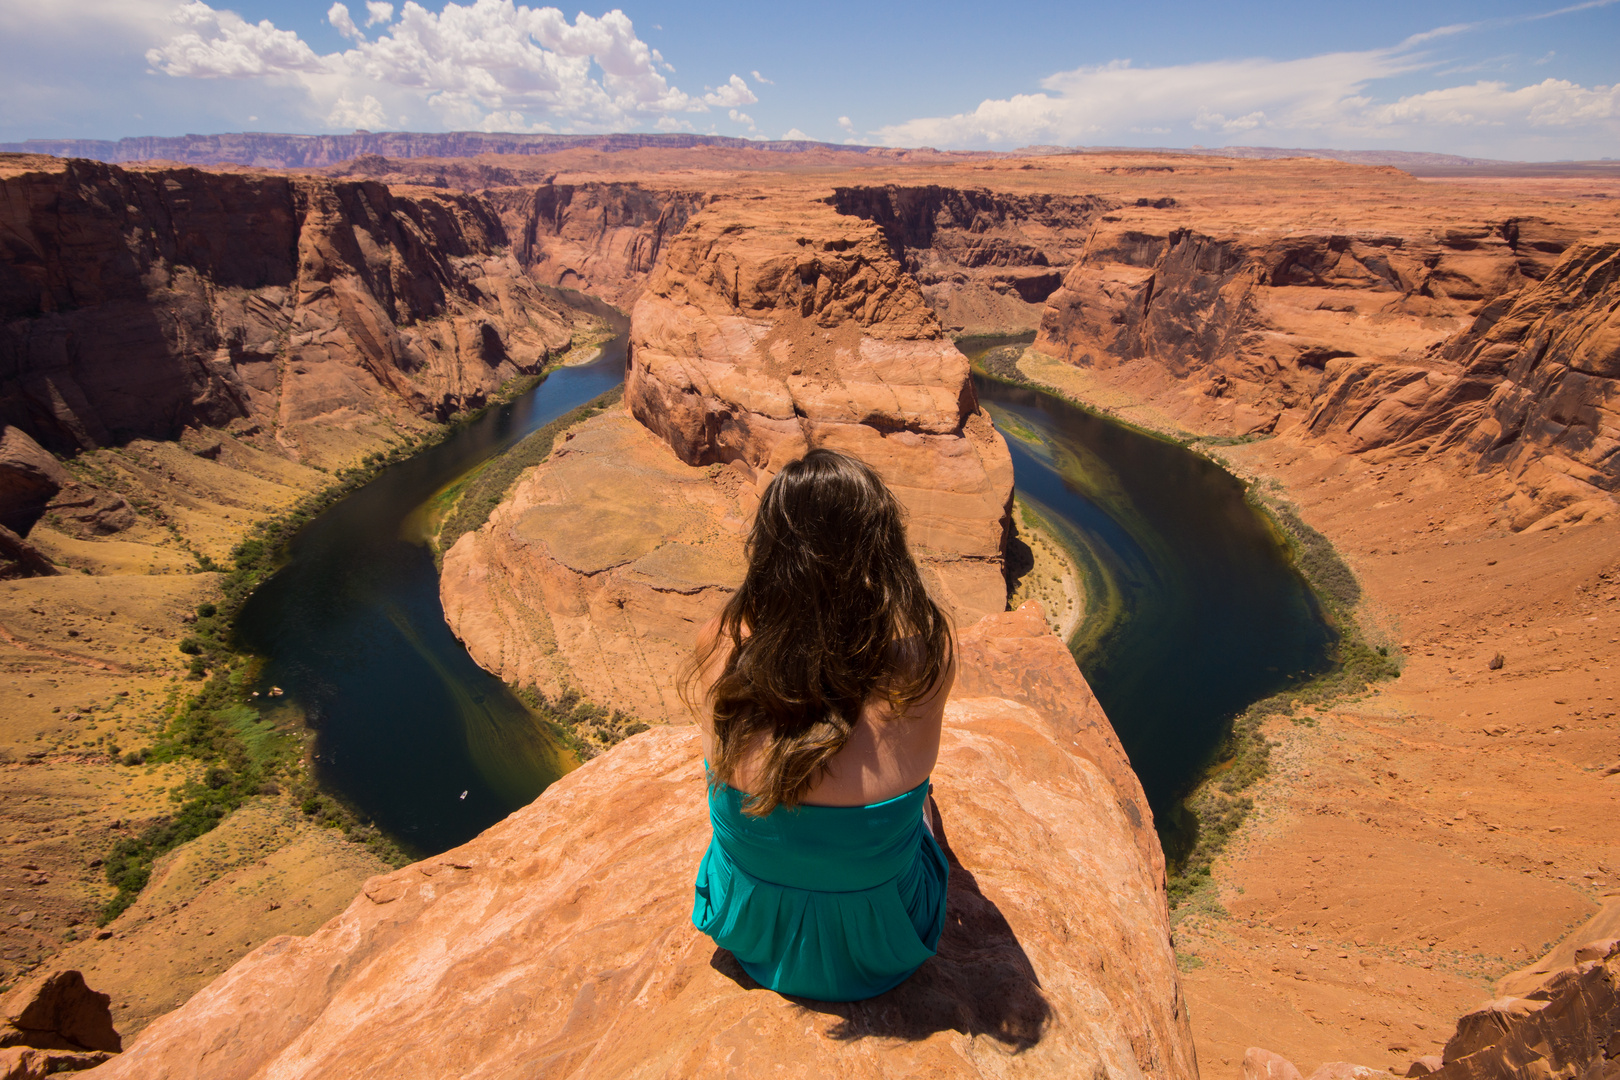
(1425, 368)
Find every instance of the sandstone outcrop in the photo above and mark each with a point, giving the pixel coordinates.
(763, 332)
(19, 558)
(316, 316)
(559, 942)
(772, 329)
(58, 1012)
(29, 479)
(1568, 1028)
(597, 570)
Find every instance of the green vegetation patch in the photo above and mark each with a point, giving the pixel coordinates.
(584, 728)
(483, 491)
(239, 753)
(1219, 804)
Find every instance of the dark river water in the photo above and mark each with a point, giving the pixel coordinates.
(353, 631)
(1193, 606)
(1193, 611)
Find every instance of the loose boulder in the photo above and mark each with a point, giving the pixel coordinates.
(58, 1012)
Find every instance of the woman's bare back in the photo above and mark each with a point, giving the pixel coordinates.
(885, 756)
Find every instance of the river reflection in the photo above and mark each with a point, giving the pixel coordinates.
(1194, 608)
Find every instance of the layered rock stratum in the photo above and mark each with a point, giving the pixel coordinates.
(764, 331)
(559, 942)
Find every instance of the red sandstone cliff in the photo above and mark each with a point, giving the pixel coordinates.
(321, 314)
(986, 260)
(1529, 392)
(772, 329)
(559, 942)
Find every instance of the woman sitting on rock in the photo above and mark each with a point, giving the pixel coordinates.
(823, 684)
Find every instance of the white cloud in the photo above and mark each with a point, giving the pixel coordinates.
(1317, 101)
(738, 116)
(468, 63)
(1549, 103)
(237, 49)
(762, 79)
(846, 123)
(342, 22)
(732, 94)
(512, 120)
(795, 135)
(367, 114)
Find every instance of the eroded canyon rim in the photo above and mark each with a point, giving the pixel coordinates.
(1433, 365)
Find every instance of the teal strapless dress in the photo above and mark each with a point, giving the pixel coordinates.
(835, 903)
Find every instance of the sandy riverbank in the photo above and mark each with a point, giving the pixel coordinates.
(1051, 577)
(1415, 844)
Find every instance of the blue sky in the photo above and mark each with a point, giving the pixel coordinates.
(1502, 80)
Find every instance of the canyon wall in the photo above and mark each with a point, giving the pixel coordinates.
(320, 315)
(559, 942)
(987, 261)
(600, 238)
(764, 331)
(1531, 391)
(1493, 341)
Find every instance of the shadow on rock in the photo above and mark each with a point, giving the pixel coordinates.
(980, 983)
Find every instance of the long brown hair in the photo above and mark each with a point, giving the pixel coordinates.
(831, 614)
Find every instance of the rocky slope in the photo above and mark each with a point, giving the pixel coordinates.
(560, 942)
(763, 332)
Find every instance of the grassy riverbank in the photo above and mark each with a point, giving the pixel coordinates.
(238, 745)
(1219, 803)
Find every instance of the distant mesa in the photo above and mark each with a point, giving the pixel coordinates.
(284, 151)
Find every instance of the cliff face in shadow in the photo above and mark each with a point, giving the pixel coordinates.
(317, 314)
(559, 942)
(986, 261)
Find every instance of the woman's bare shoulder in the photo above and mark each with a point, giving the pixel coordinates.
(909, 656)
